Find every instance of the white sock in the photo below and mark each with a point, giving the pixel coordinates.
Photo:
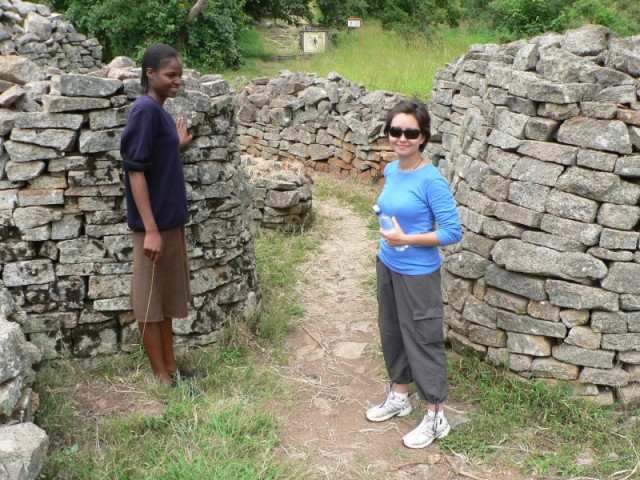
(401, 396)
(431, 413)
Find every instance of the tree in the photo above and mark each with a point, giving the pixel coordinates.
(205, 32)
(291, 11)
(416, 16)
(336, 12)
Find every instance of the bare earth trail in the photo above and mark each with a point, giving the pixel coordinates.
(336, 369)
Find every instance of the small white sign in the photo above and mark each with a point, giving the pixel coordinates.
(354, 22)
(313, 42)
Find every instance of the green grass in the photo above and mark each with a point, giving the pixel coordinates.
(536, 426)
(217, 429)
(278, 254)
(381, 60)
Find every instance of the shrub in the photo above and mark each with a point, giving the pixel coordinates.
(335, 12)
(291, 11)
(527, 18)
(622, 17)
(416, 16)
(127, 28)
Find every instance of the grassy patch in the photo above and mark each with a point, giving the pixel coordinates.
(381, 60)
(107, 418)
(215, 428)
(537, 426)
(278, 254)
(357, 194)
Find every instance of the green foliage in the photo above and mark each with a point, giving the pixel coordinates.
(515, 19)
(335, 12)
(416, 16)
(555, 427)
(128, 28)
(622, 17)
(291, 11)
(526, 18)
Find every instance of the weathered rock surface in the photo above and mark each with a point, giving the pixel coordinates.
(541, 147)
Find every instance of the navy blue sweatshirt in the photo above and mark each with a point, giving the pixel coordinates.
(150, 144)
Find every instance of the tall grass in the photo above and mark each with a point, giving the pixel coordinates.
(376, 58)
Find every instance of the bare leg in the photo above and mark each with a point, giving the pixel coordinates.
(167, 345)
(401, 388)
(152, 340)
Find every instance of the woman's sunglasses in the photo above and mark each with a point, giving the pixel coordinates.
(409, 133)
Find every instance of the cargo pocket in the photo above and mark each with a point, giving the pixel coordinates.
(429, 326)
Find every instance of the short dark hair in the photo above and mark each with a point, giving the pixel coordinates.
(155, 57)
(416, 108)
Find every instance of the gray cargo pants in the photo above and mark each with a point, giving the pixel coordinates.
(410, 317)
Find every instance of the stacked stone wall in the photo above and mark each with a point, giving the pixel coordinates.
(329, 124)
(282, 195)
(541, 142)
(32, 31)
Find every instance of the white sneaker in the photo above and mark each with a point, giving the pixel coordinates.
(424, 434)
(391, 407)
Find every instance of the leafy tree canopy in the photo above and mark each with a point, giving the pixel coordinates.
(289, 10)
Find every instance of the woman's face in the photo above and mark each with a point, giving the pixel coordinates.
(165, 82)
(403, 146)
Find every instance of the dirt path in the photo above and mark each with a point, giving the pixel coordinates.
(336, 369)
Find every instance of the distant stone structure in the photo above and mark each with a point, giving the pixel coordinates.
(31, 31)
(282, 194)
(541, 142)
(329, 124)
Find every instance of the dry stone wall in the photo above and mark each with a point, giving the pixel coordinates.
(541, 142)
(282, 194)
(65, 251)
(32, 31)
(329, 124)
(23, 445)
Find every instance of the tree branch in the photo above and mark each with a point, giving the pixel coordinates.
(196, 10)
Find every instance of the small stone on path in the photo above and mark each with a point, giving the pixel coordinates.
(349, 349)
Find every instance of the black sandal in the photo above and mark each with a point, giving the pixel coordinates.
(188, 374)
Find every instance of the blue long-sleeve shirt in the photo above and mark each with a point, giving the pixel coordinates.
(422, 202)
(150, 144)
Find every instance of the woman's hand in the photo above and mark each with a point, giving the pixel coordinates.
(183, 134)
(395, 237)
(153, 245)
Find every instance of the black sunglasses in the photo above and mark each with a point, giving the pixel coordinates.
(409, 133)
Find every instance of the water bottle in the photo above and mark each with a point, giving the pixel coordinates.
(386, 224)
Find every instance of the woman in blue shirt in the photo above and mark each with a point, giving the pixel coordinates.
(410, 308)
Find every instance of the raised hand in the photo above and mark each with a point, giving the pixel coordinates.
(183, 134)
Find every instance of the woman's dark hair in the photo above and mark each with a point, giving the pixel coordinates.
(416, 108)
(155, 57)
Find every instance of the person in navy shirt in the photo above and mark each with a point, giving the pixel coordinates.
(410, 307)
(157, 210)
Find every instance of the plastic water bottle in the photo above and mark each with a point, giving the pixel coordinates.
(386, 224)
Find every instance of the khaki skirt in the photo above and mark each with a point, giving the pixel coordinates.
(164, 291)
